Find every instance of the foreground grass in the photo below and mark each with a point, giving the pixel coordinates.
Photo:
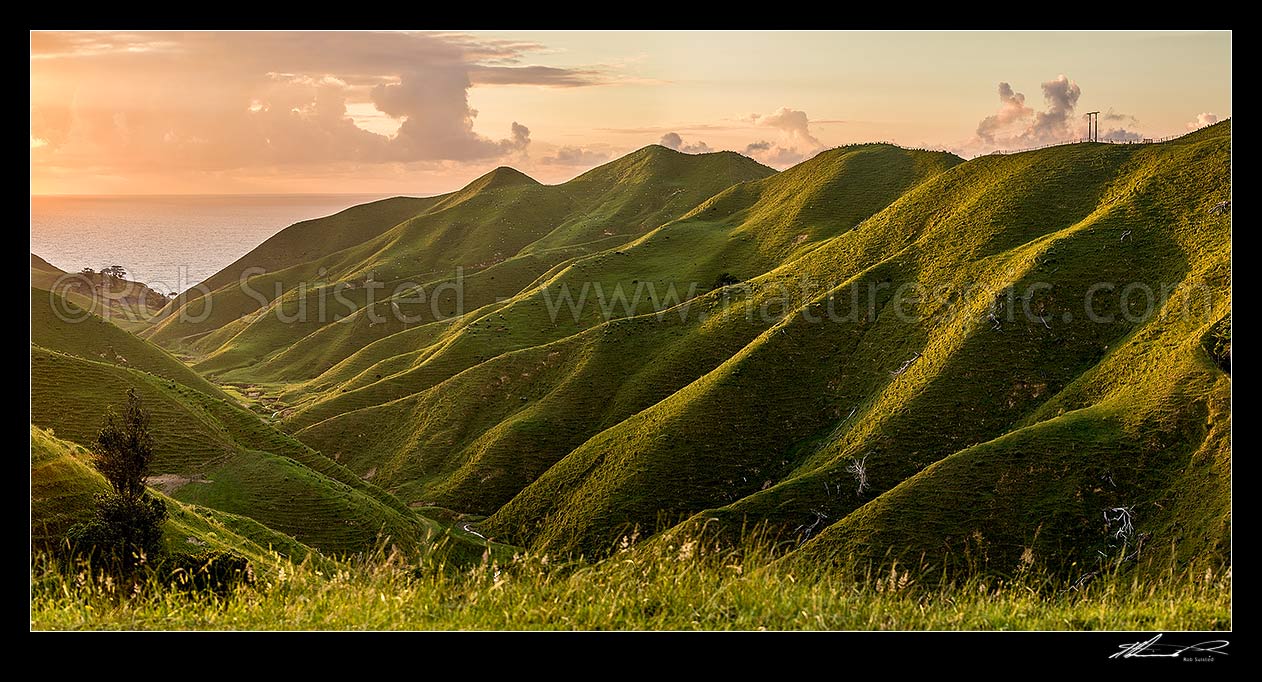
(673, 588)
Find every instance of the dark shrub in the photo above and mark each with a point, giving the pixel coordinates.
(125, 530)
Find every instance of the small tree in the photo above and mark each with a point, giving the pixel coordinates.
(126, 526)
(88, 271)
(115, 271)
(125, 449)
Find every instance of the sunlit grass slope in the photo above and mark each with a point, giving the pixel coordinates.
(760, 225)
(130, 305)
(487, 224)
(473, 440)
(671, 587)
(749, 345)
(59, 324)
(1013, 437)
(210, 450)
(64, 486)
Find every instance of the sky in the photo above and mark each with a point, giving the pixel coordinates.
(426, 112)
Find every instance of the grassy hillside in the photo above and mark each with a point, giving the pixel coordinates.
(215, 453)
(209, 449)
(489, 427)
(503, 221)
(58, 324)
(310, 239)
(64, 486)
(958, 420)
(130, 305)
(642, 190)
(40, 265)
(880, 354)
(757, 226)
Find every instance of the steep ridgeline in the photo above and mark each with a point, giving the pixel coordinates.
(936, 433)
(479, 234)
(467, 415)
(881, 353)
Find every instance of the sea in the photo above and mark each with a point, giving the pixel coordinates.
(169, 242)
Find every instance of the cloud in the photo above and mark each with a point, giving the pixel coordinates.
(1015, 124)
(1012, 110)
(212, 101)
(674, 141)
(437, 121)
(773, 155)
(521, 136)
(1111, 115)
(1202, 119)
(793, 124)
(1061, 96)
(780, 157)
(795, 141)
(1121, 135)
(537, 75)
(575, 156)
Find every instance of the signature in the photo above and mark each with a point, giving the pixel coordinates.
(1153, 648)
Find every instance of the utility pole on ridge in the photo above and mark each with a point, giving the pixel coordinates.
(1093, 133)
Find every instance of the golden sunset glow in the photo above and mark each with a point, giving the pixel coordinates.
(260, 112)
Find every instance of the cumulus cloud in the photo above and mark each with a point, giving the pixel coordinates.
(1120, 134)
(437, 123)
(212, 101)
(1016, 124)
(1202, 119)
(1061, 96)
(779, 157)
(674, 141)
(521, 136)
(1012, 109)
(794, 144)
(793, 124)
(575, 156)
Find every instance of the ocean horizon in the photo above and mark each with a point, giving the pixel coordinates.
(171, 242)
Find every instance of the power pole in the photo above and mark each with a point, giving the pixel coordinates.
(1093, 134)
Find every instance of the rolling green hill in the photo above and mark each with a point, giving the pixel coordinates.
(541, 394)
(879, 353)
(1010, 436)
(484, 230)
(64, 486)
(210, 450)
(60, 325)
(130, 305)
